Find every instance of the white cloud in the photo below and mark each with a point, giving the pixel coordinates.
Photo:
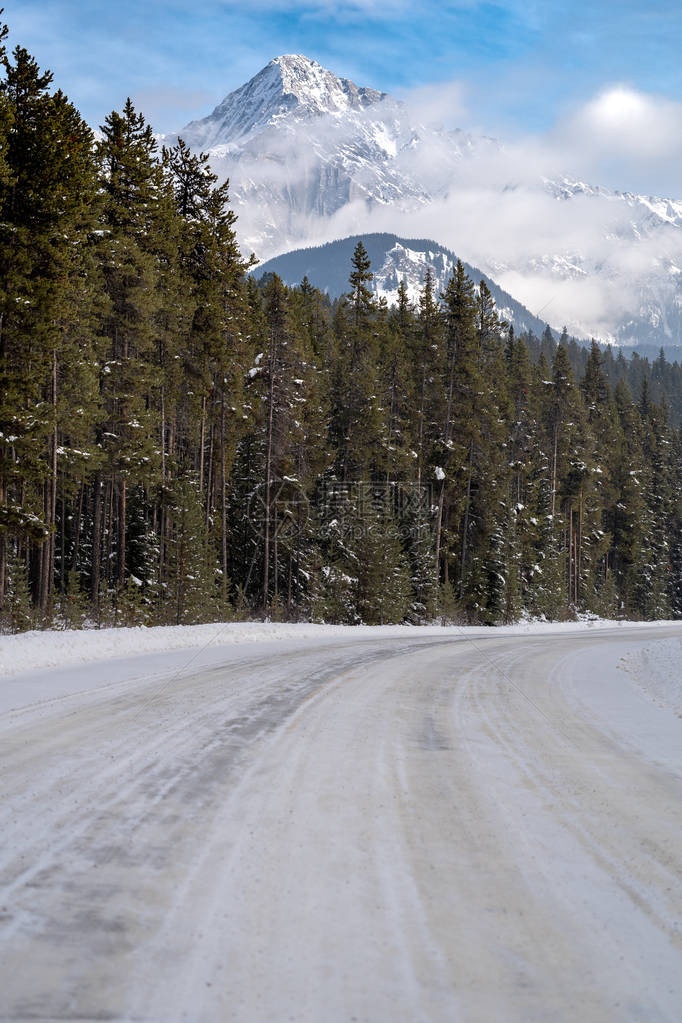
(630, 122)
(626, 138)
(443, 104)
(585, 261)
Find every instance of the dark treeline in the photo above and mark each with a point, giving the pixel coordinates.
(662, 379)
(181, 443)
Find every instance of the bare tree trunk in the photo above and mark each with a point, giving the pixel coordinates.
(275, 550)
(210, 483)
(451, 391)
(3, 542)
(180, 583)
(554, 472)
(96, 540)
(162, 541)
(465, 529)
(223, 498)
(163, 437)
(570, 555)
(439, 525)
(53, 481)
(268, 471)
(575, 556)
(580, 548)
(122, 537)
(290, 582)
(390, 423)
(48, 547)
(421, 425)
(77, 534)
(446, 432)
(109, 528)
(202, 442)
(63, 539)
(41, 558)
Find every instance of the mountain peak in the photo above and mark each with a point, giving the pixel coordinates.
(318, 89)
(291, 85)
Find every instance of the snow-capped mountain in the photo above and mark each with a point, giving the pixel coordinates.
(393, 260)
(301, 146)
(290, 87)
(312, 157)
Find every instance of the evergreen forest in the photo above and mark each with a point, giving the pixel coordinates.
(183, 442)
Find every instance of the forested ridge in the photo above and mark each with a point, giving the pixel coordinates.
(180, 442)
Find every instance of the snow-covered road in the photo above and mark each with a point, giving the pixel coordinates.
(422, 827)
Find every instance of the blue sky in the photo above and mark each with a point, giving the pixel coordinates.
(521, 65)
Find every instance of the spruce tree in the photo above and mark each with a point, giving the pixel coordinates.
(454, 441)
(356, 426)
(132, 184)
(47, 201)
(383, 580)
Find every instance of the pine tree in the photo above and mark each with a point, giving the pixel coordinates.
(653, 586)
(356, 420)
(383, 579)
(428, 357)
(47, 200)
(454, 446)
(627, 516)
(176, 435)
(132, 183)
(416, 527)
(192, 591)
(360, 298)
(396, 339)
(18, 611)
(598, 500)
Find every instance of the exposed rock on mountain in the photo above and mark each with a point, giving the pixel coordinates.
(312, 157)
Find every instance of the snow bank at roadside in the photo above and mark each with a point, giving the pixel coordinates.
(657, 670)
(31, 651)
(35, 651)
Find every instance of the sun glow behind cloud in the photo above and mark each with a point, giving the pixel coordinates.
(573, 92)
(623, 133)
(571, 259)
(523, 62)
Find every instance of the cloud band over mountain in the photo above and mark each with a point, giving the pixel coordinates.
(312, 157)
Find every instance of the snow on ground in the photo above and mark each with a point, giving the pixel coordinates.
(35, 651)
(657, 670)
(457, 824)
(614, 682)
(47, 665)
